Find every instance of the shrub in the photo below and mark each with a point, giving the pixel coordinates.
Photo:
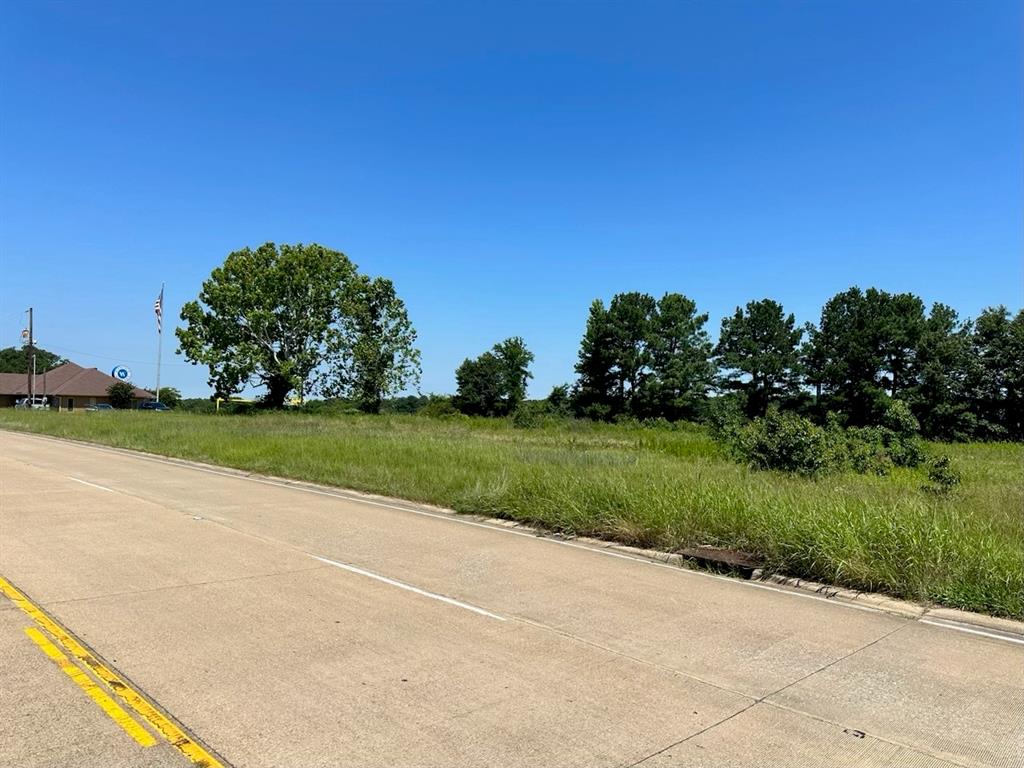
(899, 419)
(527, 417)
(866, 451)
(786, 442)
(943, 477)
(439, 406)
(120, 394)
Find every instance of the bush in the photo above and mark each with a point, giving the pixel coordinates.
(725, 417)
(197, 405)
(120, 394)
(527, 417)
(786, 442)
(943, 477)
(899, 419)
(439, 406)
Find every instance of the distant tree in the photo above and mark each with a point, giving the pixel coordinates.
(515, 361)
(169, 396)
(298, 317)
(494, 383)
(407, 404)
(595, 394)
(16, 360)
(558, 400)
(375, 346)
(630, 315)
(643, 357)
(679, 351)
(995, 384)
(861, 352)
(758, 348)
(479, 386)
(937, 395)
(901, 324)
(438, 406)
(120, 394)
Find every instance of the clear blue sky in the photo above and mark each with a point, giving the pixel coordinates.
(506, 163)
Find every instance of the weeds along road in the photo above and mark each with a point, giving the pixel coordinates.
(156, 613)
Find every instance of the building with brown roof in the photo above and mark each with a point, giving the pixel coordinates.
(67, 387)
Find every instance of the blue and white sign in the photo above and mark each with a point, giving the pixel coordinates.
(121, 373)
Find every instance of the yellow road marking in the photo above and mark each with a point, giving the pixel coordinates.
(160, 722)
(94, 692)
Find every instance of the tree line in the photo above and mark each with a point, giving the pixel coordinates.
(647, 358)
(303, 319)
(961, 378)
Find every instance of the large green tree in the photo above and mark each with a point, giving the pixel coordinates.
(643, 357)
(758, 350)
(936, 390)
(295, 318)
(595, 394)
(679, 351)
(373, 345)
(995, 383)
(494, 384)
(862, 351)
(16, 360)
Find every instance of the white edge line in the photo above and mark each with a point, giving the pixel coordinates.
(409, 587)
(972, 631)
(453, 518)
(295, 485)
(92, 485)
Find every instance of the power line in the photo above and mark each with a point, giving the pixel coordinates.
(64, 350)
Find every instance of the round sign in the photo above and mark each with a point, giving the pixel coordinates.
(121, 373)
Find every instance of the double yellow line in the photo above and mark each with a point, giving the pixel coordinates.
(156, 719)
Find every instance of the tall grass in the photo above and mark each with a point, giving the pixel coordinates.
(662, 488)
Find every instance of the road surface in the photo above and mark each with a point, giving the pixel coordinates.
(252, 622)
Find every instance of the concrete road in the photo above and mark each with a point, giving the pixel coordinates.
(284, 625)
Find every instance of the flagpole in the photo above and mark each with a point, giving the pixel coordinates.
(159, 341)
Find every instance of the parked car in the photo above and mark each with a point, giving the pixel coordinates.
(100, 407)
(153, 405)
(38, 402)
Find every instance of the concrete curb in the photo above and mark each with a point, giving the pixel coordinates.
(877, 601)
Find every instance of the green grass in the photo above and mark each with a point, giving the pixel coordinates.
(658, 488)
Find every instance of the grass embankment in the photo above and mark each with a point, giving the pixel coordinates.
(648, 487)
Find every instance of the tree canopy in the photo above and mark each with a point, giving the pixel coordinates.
(373, 347)
(120, 394)
(494, 384)
(644, 358)
(299, 318)
(758, 350)
(16, 360)
(863, 350)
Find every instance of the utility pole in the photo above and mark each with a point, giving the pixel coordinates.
(30, 359)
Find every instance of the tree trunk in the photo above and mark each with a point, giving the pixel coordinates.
(278, 388)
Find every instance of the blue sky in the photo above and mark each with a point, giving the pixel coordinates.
(504, 164)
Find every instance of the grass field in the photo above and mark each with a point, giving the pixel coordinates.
(662, 488)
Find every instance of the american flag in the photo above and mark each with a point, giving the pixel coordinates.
(158, 308)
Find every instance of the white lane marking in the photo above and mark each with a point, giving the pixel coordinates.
(970, 630)
(92, 485)
(183, 464)
(409, 587)
(453, 518)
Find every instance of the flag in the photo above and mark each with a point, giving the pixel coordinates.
(158, 309)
